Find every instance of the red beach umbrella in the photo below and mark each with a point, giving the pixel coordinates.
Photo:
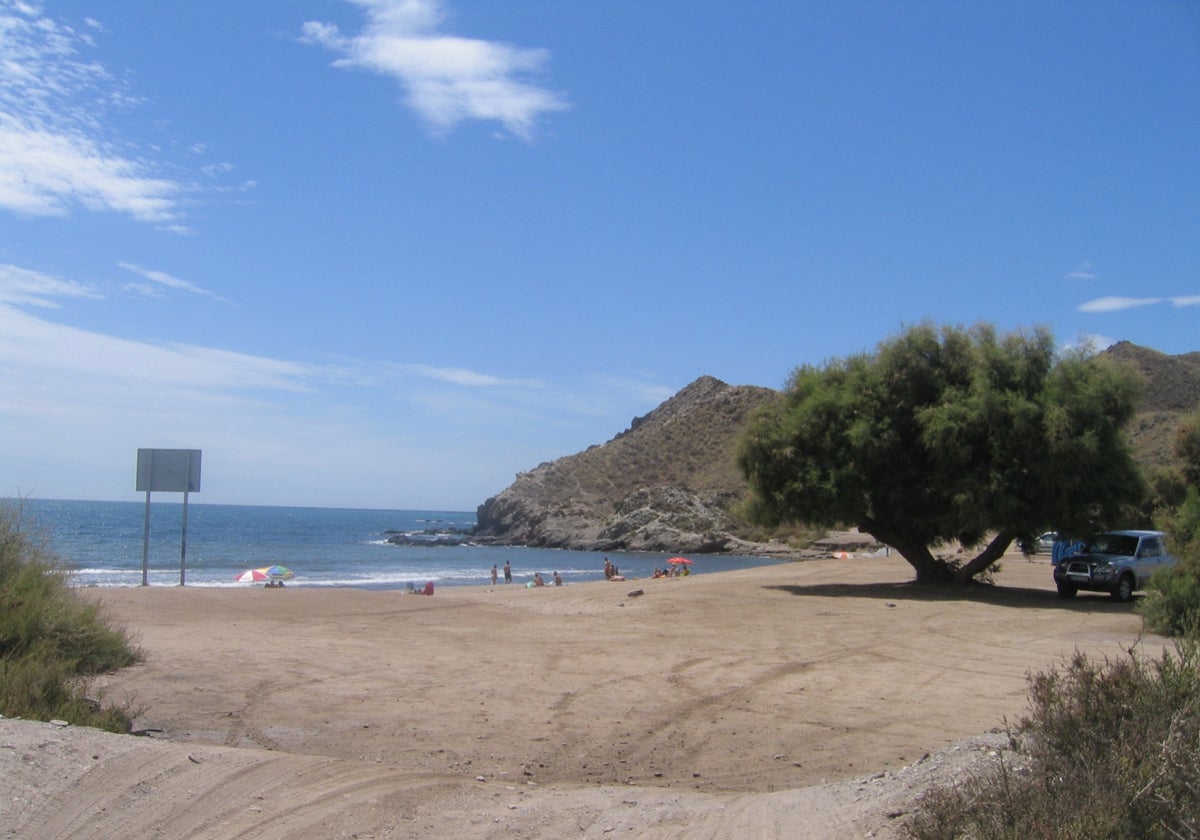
(680, 561)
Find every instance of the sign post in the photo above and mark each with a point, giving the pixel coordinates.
(171, 471)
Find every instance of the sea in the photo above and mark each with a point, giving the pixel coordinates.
(103, 544)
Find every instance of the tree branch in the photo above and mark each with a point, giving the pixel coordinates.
(990, 554)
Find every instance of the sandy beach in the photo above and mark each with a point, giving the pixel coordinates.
(811, 699)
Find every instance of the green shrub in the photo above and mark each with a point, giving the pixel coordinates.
(1109, 750)
(1172, 603)
(51, 639)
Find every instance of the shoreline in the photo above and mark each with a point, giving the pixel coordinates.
(168, 578)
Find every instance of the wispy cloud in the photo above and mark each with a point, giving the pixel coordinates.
(26, 339)
(23, 287)
(95, 361)
(160, 280)
(76, 402)
(1083, 271)
(1117, 304)
(58, 156)
(470, 378)
(447, 79)
(30, 343)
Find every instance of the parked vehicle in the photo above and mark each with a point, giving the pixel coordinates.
(1116, 562)
(1042, 544)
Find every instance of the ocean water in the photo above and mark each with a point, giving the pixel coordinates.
(102, 544)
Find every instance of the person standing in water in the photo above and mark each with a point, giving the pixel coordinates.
(493, 574)
(507, 572)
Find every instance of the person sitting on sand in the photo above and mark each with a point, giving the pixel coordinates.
(537, 579)
(557, 579)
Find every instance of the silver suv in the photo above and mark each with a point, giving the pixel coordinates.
(1116, 562)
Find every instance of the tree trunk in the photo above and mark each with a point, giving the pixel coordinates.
(929, 568)
(982, 561)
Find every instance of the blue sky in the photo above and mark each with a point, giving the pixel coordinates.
(389, 253)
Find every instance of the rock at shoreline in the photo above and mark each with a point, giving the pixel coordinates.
(434, 537)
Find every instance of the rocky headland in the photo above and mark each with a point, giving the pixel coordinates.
(667, 483)
(670, 482)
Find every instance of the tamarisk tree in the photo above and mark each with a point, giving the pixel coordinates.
(948, 435)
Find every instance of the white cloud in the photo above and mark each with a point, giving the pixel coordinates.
(448, 79)
(56, 156)
(470, 378)
(161, 278)
(31, 344)
(20, 286)
(1083, 271)
(48, 173)
(1116, 304)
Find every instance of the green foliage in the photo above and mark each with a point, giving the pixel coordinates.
(1172, 603)
(1109, 751)
(1187, 448)
(1167, 490)
(51, 639)
(948, 435)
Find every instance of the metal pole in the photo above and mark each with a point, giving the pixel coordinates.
(146, 543)
(183, 542)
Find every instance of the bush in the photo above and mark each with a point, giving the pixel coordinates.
(1172, 603)
(1110, 750)
(51, 639)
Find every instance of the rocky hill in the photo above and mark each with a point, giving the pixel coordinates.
(1172, 390)
(666, 483)
(670, 483)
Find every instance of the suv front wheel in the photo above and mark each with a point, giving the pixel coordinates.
(1124, 590)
